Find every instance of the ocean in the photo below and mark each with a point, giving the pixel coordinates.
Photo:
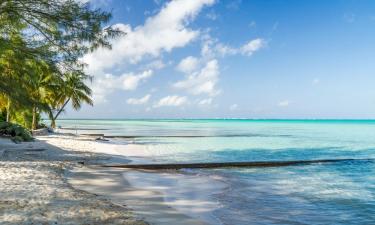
(325, 193)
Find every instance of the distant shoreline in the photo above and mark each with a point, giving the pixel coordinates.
(216, 119)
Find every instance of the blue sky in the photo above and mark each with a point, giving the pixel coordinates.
(233, 58)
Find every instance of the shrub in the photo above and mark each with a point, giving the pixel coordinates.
(17, 132)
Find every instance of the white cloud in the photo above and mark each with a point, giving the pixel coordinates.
(252, 46)
(156, 64)
(212, 48)
(233, 107)
(203, 81)
(171, 100)
(206, 101)
(224, 50)
(102, 86)
(131, 82)
(161, 33)
(166, 30)
(106, 84)
(138, 101)
(188, 64)
(284, 103)
(202, 74)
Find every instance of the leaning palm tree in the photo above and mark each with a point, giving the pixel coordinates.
(72, 88)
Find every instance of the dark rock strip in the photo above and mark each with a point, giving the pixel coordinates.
(253, 164)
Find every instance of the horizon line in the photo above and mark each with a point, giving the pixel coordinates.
(214, 119)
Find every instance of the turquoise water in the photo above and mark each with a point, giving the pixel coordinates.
(335, 193)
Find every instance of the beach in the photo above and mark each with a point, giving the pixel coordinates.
(34, 188)
(57, 179)
(187, 112)
(60, 177)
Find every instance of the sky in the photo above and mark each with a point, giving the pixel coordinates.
(235, 59)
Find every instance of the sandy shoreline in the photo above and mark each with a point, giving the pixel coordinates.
(44, 181)
(34, 190)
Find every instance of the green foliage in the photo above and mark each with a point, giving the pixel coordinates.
(41, 43)
(74, 90)
(2, 115)
(15, 131)
(23, 117)
(62, 31)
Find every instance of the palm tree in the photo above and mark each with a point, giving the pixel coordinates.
(14, 70)
(74, 89)
(39, 84)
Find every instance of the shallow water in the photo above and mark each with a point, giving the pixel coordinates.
(334, 193)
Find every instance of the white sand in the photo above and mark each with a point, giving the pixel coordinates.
(33, 189)
(33, 185)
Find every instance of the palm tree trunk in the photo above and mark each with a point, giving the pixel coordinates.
(53, 123)
(58, 113)
(8, 111)
(34, 122)
(50, 115)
